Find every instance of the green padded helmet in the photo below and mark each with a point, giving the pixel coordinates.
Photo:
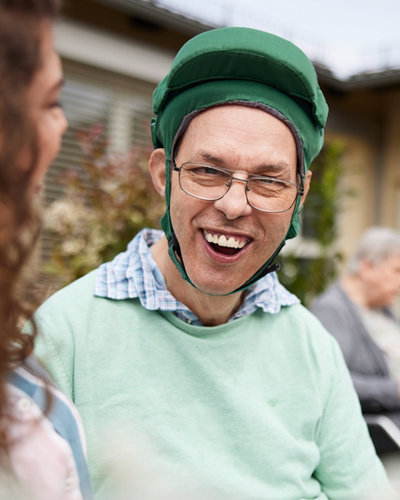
(247, 67)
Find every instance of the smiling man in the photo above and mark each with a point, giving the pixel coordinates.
(233, 190)
(188, 335)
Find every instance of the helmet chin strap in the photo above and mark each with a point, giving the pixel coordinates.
(174, 251)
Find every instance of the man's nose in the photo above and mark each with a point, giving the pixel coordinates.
(234, 204)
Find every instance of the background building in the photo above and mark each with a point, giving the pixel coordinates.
(116, 51)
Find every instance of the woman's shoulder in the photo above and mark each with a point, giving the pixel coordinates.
(41, 460)
(46, 434)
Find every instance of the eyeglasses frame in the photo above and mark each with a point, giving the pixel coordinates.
(300, 189)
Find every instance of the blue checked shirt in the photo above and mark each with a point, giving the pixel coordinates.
(134, 274)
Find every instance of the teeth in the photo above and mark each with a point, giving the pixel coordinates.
(231, 243)
(223, 242)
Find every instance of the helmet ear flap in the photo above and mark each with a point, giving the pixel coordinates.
(153, 131)
(295, 225)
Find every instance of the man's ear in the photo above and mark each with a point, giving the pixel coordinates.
(307, 182)
(157, 170)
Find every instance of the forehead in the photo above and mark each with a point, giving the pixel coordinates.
(238, 135)
(50, 70)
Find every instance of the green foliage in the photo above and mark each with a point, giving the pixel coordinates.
(306, 278)
(106, 203)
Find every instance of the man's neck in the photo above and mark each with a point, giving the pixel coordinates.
(211, 310)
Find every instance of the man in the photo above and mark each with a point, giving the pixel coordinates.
(355, 311)
(187, 336)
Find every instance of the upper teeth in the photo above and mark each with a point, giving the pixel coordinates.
(223, 242)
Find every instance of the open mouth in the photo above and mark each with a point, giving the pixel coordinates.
(226, 244)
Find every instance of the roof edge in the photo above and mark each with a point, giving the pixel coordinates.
(154, 12)
(159, 14)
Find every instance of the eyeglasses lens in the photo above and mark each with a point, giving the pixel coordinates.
(209, 183)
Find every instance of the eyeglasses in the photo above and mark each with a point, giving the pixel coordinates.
(210, 183)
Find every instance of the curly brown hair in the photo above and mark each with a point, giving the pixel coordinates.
(20, 59)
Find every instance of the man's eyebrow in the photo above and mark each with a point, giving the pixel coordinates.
(273, 168)
(277, 167)
(206, 156)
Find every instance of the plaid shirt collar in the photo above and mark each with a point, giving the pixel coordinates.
(134, 274)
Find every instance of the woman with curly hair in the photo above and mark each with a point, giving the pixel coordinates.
(41, 440)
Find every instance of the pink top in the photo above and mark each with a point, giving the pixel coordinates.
(41, 459)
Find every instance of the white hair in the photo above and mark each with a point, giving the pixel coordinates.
(375, 245)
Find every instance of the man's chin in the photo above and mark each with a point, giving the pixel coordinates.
(214, 288)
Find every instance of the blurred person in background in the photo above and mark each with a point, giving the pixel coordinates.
(41, 440)
(188, 337)
(355, 310)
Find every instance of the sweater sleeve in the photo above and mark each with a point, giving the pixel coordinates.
(349, 468)
(376, 392)
(62, 323)
(54, 347)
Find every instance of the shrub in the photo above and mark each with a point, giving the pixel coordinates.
(107, 201)
(304, 277)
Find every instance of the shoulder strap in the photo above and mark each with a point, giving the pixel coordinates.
(60, 416)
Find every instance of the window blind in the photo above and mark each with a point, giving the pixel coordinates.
(92, 96)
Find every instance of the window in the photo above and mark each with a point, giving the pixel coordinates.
(123, 105)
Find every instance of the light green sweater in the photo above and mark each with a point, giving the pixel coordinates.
(260, 408)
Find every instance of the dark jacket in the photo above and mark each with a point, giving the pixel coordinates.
(378, 393)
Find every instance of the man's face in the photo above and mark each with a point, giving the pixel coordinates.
(382, 280)
(242, 139)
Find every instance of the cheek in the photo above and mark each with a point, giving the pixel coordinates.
(387, 288)
(49, 135)
(182, 214)
(186, 214)
(396, 282)
(179, 214)
(275, 226)
(180, 204)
